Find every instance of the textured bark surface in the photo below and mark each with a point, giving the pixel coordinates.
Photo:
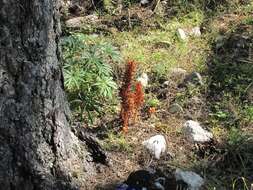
(37, 148)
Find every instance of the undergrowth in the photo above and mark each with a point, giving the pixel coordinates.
(88, 73)
(159, 50)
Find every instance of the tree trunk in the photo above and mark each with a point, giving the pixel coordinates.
(37, 148)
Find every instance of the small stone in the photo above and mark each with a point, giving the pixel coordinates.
(144, 2)
(166, 83)
(75, 22)
(195, 133)
(178, 74)
(193, 180)
(196, 31)
(194, 78)
(143, 79)
(175, 108)
(156, 145)
(78, 22)
(181, 34)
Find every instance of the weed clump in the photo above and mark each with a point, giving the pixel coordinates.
(88, 73)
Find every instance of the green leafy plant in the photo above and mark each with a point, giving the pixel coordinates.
(153, 102)
(208, 5)
(88, 73)
(127, 3)
(249, 113)
(236, 137)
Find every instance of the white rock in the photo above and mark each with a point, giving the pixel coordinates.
(181, 34)
(195, 31)
(195, 133)
(144, 2)
(194, 78)
(143, 79)
(193, 180)
(66, 3)
(156, 145)
(166, 83)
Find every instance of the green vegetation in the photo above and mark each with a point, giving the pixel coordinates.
(117, 143)
(223, 57)
(153, 102)
(249, 113)
(88, 73)
(128, 3)
(159, 50)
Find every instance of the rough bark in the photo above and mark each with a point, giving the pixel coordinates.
(37, 148)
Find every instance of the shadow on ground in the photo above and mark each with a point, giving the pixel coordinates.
(230, 74)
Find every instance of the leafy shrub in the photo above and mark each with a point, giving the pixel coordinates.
(210, 6)
(249, 113)
(236, 138)
(87, 72)
(128, 3)
(239, 150)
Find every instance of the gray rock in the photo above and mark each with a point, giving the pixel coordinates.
(178, 74)
(193, 180)
(175, 108)
(195, 133)
(75, 22)
(194, 78)
(78, 22)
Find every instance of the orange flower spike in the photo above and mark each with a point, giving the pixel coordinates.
(125, 118)
(138, 99)
(127, 97)
(129, 74)
(139, 95)
(125, 129)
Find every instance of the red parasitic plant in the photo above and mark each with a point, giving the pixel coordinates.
(131, 101)
(138, 98)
